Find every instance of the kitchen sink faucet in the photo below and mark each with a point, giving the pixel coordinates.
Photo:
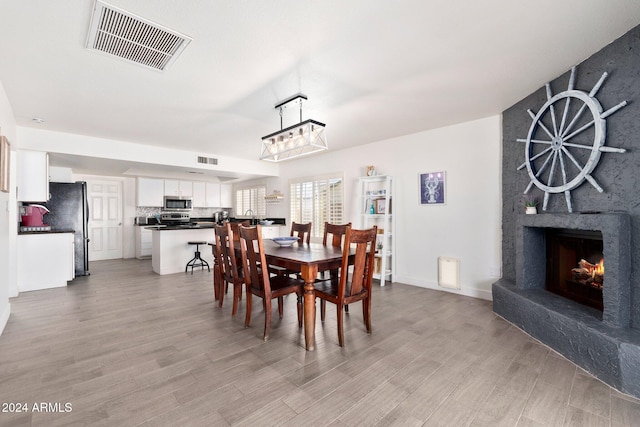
(253, 216)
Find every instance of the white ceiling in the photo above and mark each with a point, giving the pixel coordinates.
(372, 70)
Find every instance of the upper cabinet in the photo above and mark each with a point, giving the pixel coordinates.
(32, 176)
(174, 187)
(212, 195)
(226, 196)
(199, 195)
(150, 192)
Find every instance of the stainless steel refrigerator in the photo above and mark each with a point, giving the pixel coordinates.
(69, 211)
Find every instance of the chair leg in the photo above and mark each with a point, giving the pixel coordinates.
(323, 309)
(247, 318)
(237, 290)
(299, 311)
(216, 281)
(346, 308)
(267, 319)
(340, 325)
(223, 283)
(280, 306)
(366, 313)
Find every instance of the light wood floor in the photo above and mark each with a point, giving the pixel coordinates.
(125, 346)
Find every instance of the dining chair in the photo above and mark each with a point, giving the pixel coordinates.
(337, 232)
(342, 291)
(334, 234)
(301, 231)
(258, 281)
(230, 271)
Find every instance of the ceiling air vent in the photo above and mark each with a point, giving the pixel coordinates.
(207, 160)
(119, 33)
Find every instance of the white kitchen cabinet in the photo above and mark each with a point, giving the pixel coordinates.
(199, 195)
(213, 195)
(53, 253)
(143, 242)
(32, 176)
(173, 187)
(150, 192)
(226, 195)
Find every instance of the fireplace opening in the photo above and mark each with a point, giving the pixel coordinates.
(575, 265)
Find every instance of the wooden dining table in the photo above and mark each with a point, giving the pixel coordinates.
(308, 260)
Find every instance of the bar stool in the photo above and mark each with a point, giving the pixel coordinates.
(196, 261)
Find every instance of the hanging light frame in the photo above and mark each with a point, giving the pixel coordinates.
(304, 138)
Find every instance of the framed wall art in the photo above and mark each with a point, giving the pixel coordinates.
(5, 151)
(432, 188)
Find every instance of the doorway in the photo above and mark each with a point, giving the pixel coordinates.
(105, 219)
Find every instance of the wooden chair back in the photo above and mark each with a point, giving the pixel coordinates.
(227, 260)
(301, 231)
(236, 230)
(364, 242)
(225, 252)
(253, 258)
(336, 232)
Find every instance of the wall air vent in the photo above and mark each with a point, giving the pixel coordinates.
(207, 160)
(119, 33)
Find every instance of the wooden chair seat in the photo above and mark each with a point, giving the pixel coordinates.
(329, 289)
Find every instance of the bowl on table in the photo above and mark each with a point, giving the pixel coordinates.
(266, 222)
(285, 241)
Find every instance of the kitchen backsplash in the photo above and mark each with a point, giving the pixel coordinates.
(195, 213)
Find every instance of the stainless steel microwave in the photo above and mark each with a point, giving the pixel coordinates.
(177, 203)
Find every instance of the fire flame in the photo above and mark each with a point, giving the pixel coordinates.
(599, 268)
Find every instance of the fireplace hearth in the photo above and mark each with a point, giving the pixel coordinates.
(601, 342)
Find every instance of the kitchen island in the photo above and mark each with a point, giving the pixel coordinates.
(170, 248)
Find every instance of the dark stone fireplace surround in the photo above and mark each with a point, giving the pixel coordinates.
(605, 343)
(602, 343)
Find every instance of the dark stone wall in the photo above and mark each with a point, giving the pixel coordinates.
(618, 174)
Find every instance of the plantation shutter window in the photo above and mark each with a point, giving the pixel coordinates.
(251, 198)
(317, 199)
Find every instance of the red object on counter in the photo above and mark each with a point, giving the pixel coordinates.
(33, 215)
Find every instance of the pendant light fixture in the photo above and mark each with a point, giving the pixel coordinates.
(304, 138)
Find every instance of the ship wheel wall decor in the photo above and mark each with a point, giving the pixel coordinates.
(566, 139)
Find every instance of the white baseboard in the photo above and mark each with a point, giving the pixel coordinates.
(4, 318)
(469, 292)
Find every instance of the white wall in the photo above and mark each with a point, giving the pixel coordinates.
(467, 227)
(8, 223)
(82, 145)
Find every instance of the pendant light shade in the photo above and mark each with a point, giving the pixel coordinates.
(304, 138)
